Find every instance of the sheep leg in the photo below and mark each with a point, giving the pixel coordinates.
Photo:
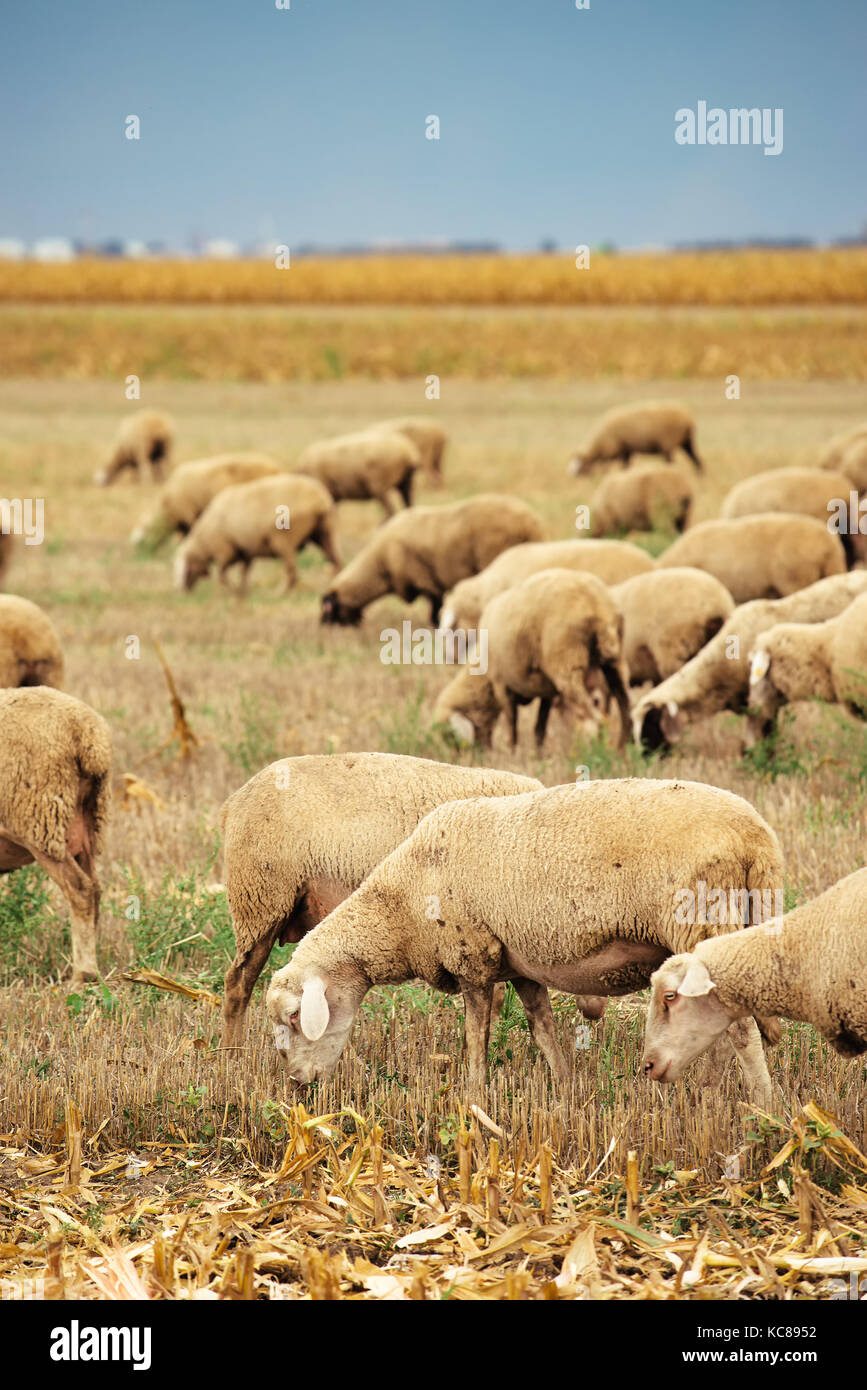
(689, 449)
(240, 981)
(512, 707)
(82, 894)
(477, 1030)
(405, 488)
(436, 608)
(542, 722)
(746, 1042)
(291, 572)
(391, 502)
(325, 538)
(540, 1016)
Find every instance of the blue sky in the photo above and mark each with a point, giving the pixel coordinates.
(308, 124)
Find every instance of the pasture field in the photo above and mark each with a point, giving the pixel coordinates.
(135, 1157)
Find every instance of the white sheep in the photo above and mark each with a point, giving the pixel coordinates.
(610, 561)
(808, 965)
(429, 438)
(186, 493)
(302, 834)
(54, 799)
(807, 491)
(143, 443)
(272, 517)
(810, 661)
(372, 464)
(30, 651)
(718, 676)
(425, 551)
(765, 556)
(648, 427)
(831, 456)
(668, 616)
(652, 498)
(577, 888)
(556, 637)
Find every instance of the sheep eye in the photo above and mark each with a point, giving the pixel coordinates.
(671, 995)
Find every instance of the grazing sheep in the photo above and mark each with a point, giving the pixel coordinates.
(653, 498)
(29, 646)
(649, 427)
(668, 615)
(806, 491)
(810, 661)
(808, 965)
(853, 464)
(6, 544)
(187, 492)
(376, 464)
(427, 550)
(610, 561)
(302, 834)
(271, 517)
(553, 638)
(765, 556)
(718, 676)
(831, 457)
(143, 444)
(54, 799)
(584, 887)
(428, 437)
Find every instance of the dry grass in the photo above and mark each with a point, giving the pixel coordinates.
(746, 278)
(316, 344)
(243, 1195)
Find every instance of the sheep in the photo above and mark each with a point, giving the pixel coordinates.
(807, 965)
(832, 455)
(807, 491)
(583, 887)
(717, 677)
(273, 516)
(54, 800)
(189, 489)
(649, 427)
(644, 499)
(853, 464)
(766, 556)
(143, 444)
(551, 638)
(378, 464)
(29, 646)
(429, 438)
(6, 544)
(810, 661)
(427, 550)
(302, 834)
(668, 616)
(610, 561)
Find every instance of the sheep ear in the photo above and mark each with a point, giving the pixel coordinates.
(696, 981)
(760, 665)
(314, 1008)
(462, 728)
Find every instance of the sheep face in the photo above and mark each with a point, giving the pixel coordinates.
(656, 728)
(36, 672)
(312, 1018)
(578, 464)
(189, 569)
(684, 1017)
(343, 614)
(764, 698)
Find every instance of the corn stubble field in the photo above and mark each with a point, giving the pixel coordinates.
(135, 1158)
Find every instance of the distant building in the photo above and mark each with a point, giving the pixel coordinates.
(54, 249)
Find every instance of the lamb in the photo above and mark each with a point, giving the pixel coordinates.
(427, 550)
(643, 499)
(302, 834)
(584, 887)
(810, 661)
(552, 638)
(186, 494)
(54, 800)
(807, 491)
(6, 544)
(143, 444)
(270, 517)
(717, 677)
(766, 556)
(610, 561)
(29, 646)
(807, 965)
(378, 464)
(428, 437)
(649, 427)
(831, 456)
(668, 616)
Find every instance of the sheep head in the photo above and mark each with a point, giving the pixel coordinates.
(343, 614)
(656, 727)
(684, 1017)
(312, 1015)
